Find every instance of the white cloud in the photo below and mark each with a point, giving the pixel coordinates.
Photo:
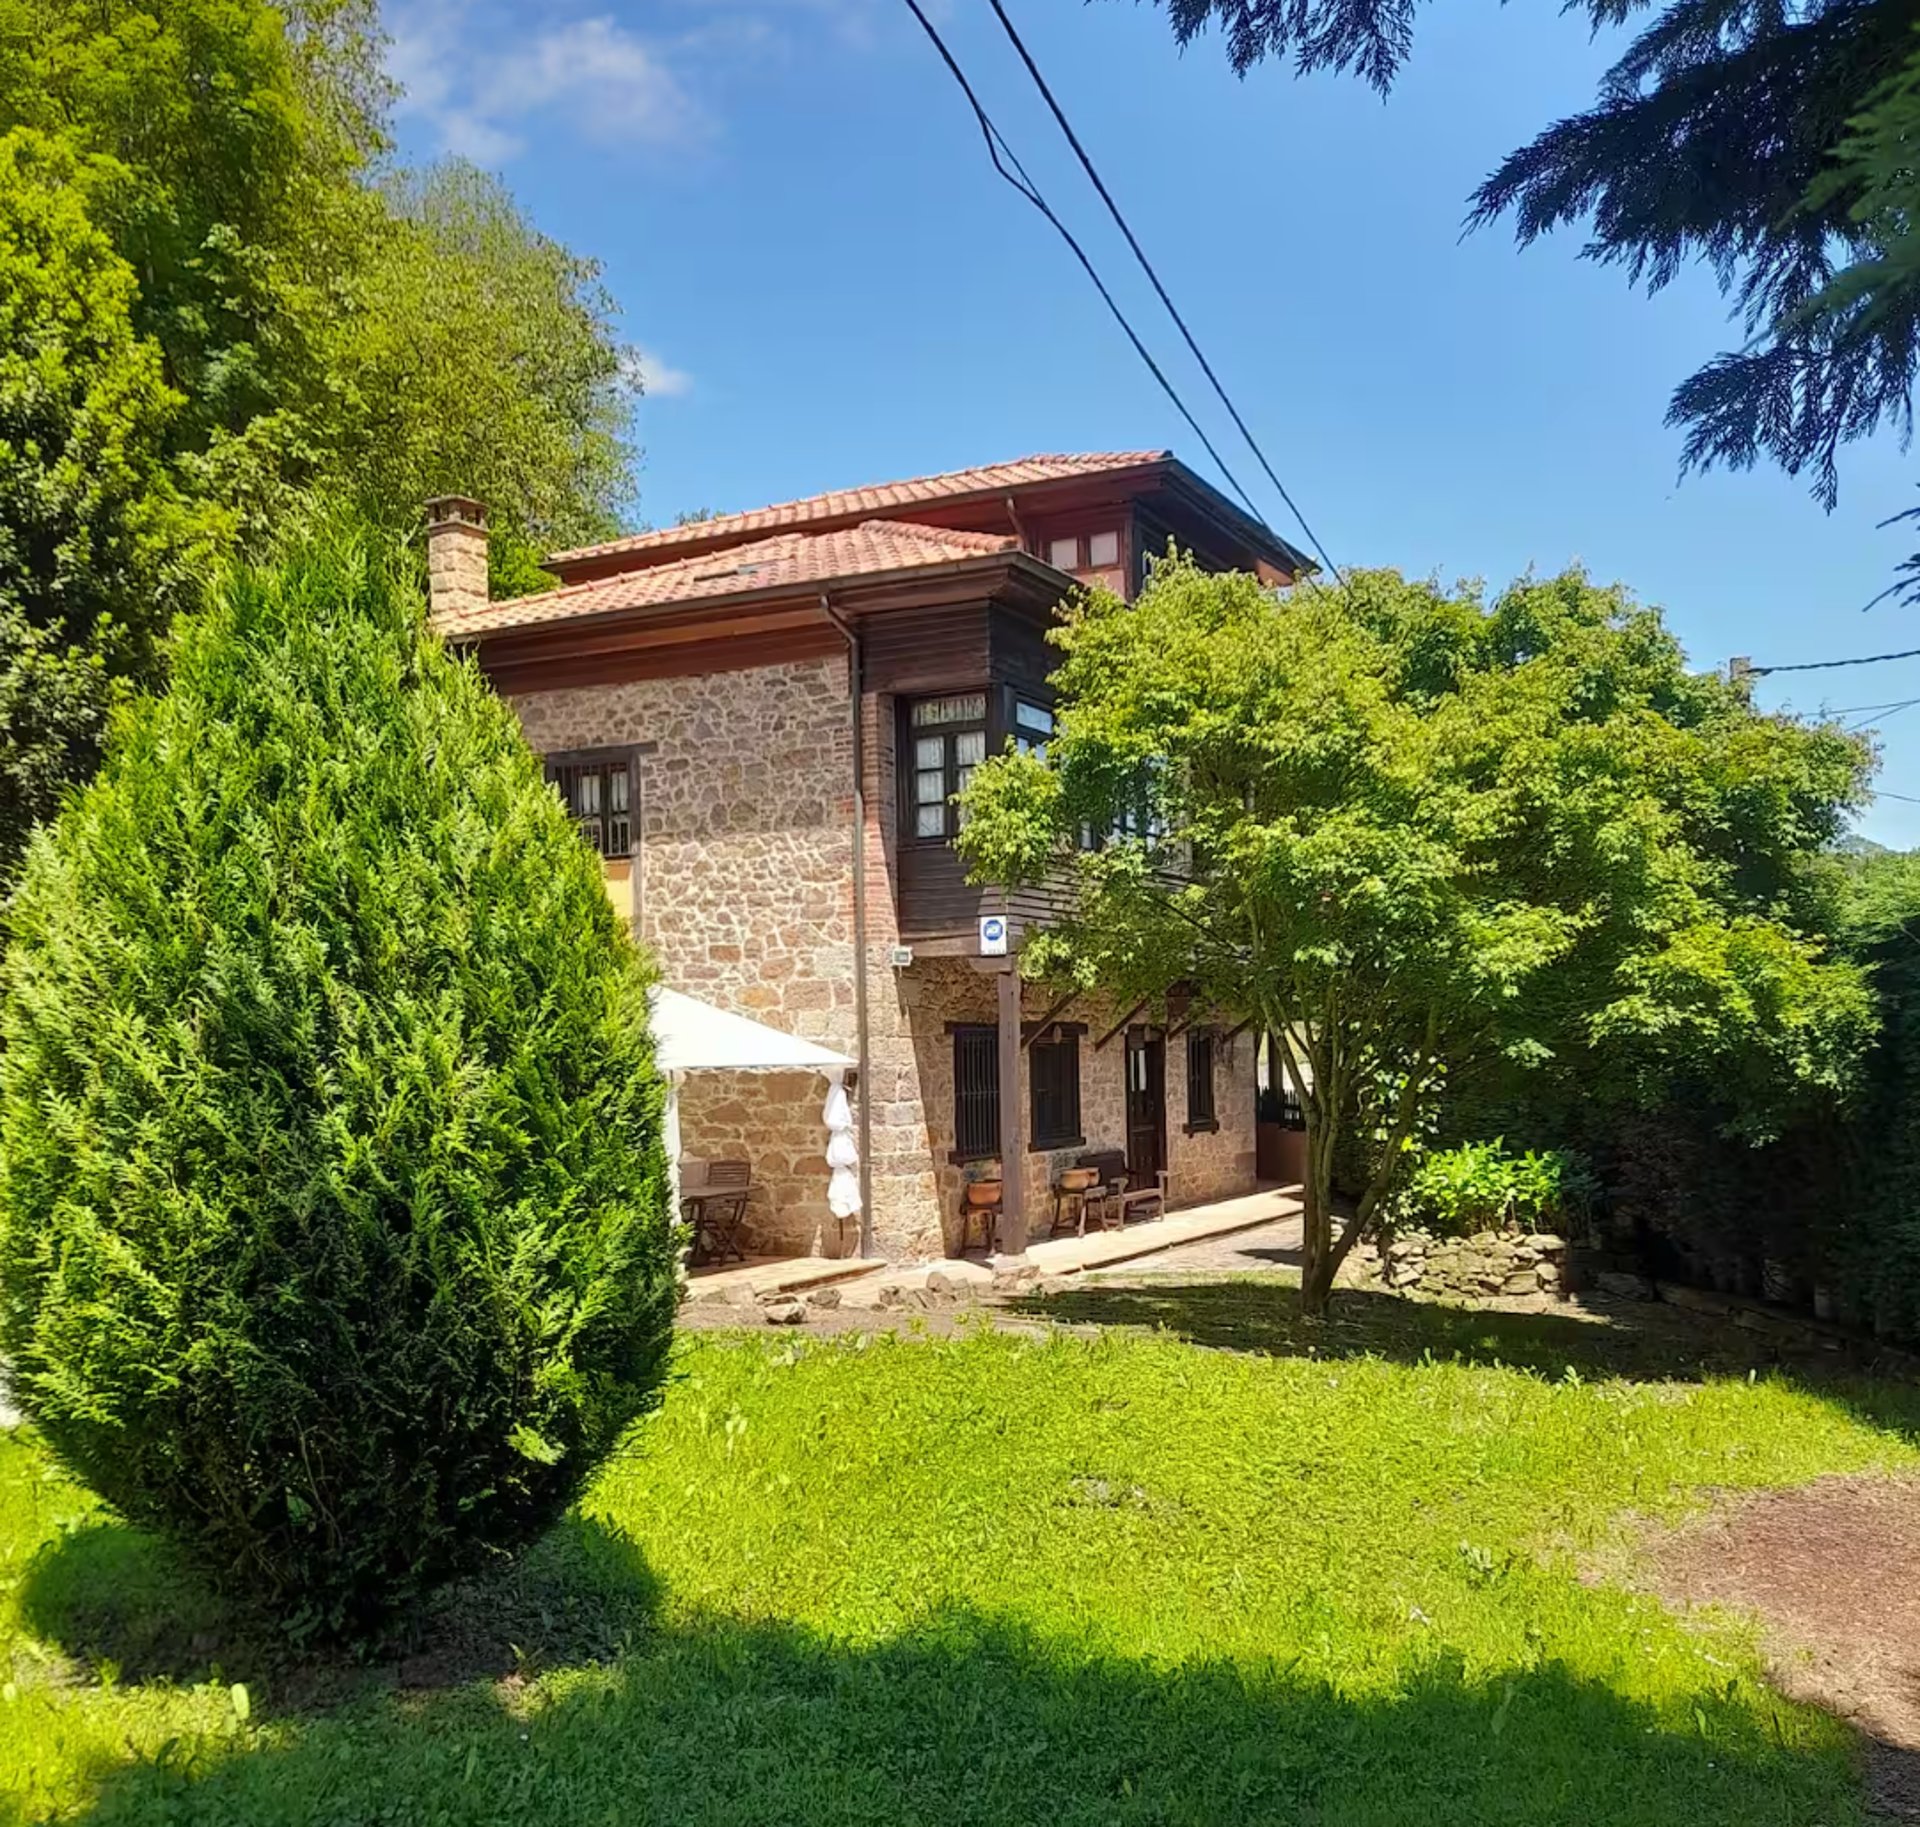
(654, 378)
(484, 78)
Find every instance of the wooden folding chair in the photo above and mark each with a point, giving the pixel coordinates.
(718, 1209)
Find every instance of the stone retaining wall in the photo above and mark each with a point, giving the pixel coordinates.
(1492, 1264)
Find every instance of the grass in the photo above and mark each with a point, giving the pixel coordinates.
(1109, 1579)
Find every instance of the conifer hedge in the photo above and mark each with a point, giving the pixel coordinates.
(334, 1238)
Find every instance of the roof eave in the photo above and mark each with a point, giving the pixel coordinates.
(771, 596)
(1255, 532)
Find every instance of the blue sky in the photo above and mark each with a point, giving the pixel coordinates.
(829, 286)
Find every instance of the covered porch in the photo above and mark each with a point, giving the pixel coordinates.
(759, 1136)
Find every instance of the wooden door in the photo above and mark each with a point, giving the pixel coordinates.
(1146, 1107)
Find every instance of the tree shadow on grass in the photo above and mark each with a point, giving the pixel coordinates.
(968, 1719)
(1645, 1341)
(121, 1603)
(563, 1693)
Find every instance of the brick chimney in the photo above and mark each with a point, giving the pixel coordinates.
(456, 555)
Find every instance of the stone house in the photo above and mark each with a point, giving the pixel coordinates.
(760, 720)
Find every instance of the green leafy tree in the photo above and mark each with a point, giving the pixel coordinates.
(479, 358)
(1416, 835)
(334, 328)
(333, 1228)
(1729, 134)
(95, 548)
(239, 133)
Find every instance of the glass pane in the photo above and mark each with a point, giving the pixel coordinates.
(1103, 549)
(930, 789)
(1033, 717)
(970, 746)
(586, 790)
(617, 789)
(930, 752)
(1064, 554)
(591, 831)
(930, 821)
(930, 713)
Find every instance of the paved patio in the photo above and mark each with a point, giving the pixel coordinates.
(1250, 1232)
(1275, 1244)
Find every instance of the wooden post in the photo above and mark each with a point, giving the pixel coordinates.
(1013, 1129)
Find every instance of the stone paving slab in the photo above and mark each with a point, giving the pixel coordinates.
(1198, 1224)
(1265, 1249)
(745, 1283)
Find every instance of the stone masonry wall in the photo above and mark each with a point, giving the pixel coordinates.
(919, 1135)
(1490, 1264)
(743, 893)
(743, 889)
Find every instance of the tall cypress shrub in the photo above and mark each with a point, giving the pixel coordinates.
(333, 1233)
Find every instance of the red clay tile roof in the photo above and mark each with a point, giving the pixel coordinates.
(880, 498)
(789, 559)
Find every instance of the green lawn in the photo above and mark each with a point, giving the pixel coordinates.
(1119, 1579)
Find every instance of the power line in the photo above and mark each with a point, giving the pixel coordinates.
(996, 145)
(1146, 266)
(1882, 713)
(1865, 659)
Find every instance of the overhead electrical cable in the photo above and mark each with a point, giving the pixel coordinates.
(1865, 659)
(996, 145)
(1147, 267)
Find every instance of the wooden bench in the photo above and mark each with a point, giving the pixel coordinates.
(1117, 1193)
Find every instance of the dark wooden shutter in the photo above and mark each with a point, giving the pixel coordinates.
(1200, 1111)
(1055, 1077)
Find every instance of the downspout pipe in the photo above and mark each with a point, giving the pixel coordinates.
(856, 690)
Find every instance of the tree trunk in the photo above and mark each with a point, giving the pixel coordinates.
(1317, 1258)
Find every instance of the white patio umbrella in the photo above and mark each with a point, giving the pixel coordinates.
(694, 1036)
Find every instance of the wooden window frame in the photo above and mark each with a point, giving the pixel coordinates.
(1083, 548)
(623, 757)
(1061, 1039)
(1203, 1044)
(907, 769)
(984, 1035)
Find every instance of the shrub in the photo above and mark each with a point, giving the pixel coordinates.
(334, 1238)
(1482, 1186)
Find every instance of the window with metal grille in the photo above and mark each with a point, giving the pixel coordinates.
(948, 740)
(976, 1093)
(1054, 1079)
(1200, 1110)
(598, 791)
